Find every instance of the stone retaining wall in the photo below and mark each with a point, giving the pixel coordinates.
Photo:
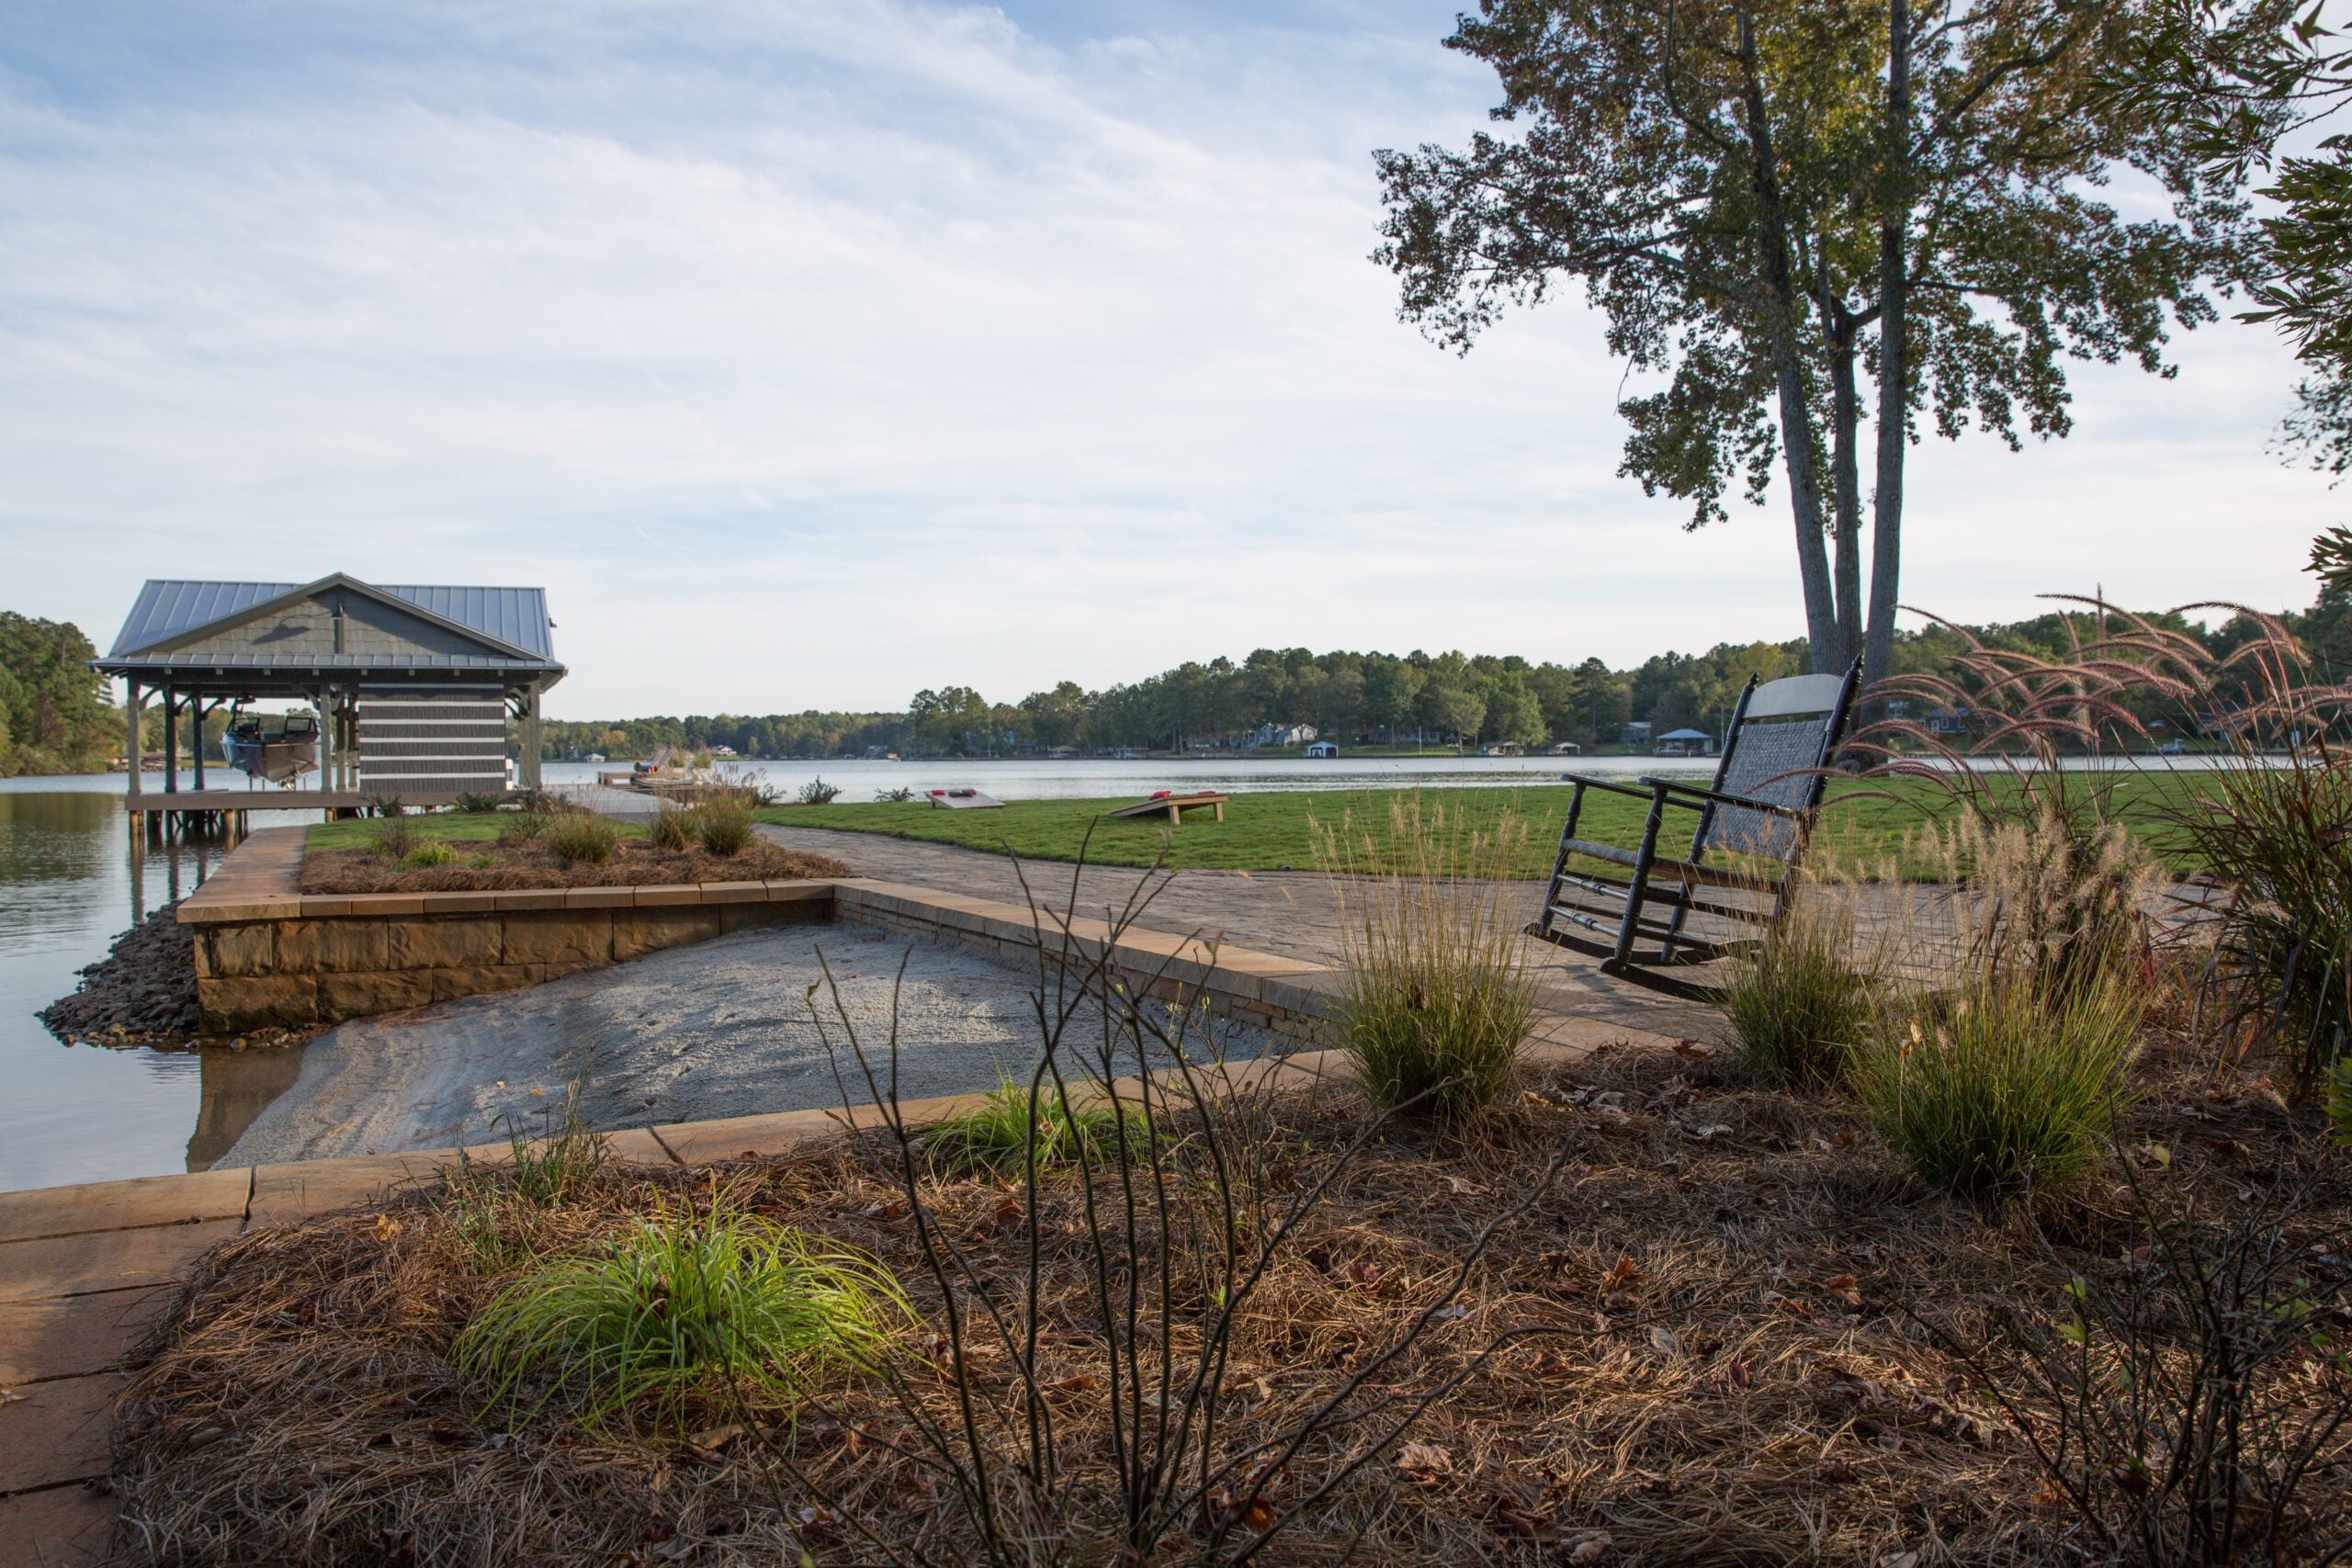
(268, 954)
(324, 969)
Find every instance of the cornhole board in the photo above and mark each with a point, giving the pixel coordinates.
(962, 799)
(1174, 805)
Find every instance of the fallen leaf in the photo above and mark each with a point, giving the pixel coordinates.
(386, 1227)
(1738, 1376)
(1361, 1273)
(1590, 1547)
(1083, 1383)
(1836, 1472)
(1623, 1276)
(1692, 1049)
(1449, 1312)
(1465, 1189)
(1424, 1462)
(1665, 1342)
(712, 1439)
(1709, 1133)
(1845, 1288)
(1512, 1519)
(895, 1209)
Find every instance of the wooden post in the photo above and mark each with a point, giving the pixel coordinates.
(198, 707)
(131, 724)
(171, 741)
(528, 774)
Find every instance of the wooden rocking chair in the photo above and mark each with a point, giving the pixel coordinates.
(1750, 830)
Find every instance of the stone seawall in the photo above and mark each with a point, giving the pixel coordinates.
(267, 954)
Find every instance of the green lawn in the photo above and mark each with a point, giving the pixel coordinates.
(1276, 831)
(359, 833)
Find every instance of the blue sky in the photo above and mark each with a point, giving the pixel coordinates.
(811, 355)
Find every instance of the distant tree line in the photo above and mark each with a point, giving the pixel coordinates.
(1380, 699)
(55, 716)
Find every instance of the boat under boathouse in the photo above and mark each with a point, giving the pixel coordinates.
(404, 690)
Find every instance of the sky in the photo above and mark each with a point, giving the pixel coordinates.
(810, 355)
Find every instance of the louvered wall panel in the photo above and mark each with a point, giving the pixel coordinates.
(441, 743)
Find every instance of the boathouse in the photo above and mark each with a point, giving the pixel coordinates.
(413, 686)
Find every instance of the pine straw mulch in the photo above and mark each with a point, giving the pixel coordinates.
(634, 865)
(1741, 1383)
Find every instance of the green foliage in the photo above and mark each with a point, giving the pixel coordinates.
(1801, 1004)
(2277, 833)
(2000, 1087)
(684, 1308)
(428, 855)
(2339, 1102)
(723, 828)
(524, 828)
(474, 803)
(1436, 1002)
(54, 714)
(898, 797)
(995, 1140)
(580, 839)
(817, 791)
(1774, 201)
(541, 1173)
(671, 830)
(394, 837)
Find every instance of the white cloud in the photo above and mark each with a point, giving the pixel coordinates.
(812, 354)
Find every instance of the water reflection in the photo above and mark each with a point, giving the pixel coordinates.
(72, 877)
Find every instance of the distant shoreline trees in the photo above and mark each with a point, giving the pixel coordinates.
(1438, 700)
(55, 712)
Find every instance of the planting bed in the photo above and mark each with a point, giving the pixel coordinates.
(1733, 1310)
(489, 865)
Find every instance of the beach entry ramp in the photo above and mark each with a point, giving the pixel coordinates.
(1173, 805)
(962, 799)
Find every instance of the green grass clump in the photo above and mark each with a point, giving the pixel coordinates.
(2002, 1087)
(523, 831)
(682, 1307)
(671, 831)
(580, 839)
(394, 837)
(544, 1172)
(994, 1140)
(723, 828)
(427, 856)
(473, 803)
(1436, 1004)
(1799, 1006)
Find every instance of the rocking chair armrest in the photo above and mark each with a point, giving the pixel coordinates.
(1585, 781)
(1675, 789)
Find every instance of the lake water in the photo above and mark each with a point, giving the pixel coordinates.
(72, 876)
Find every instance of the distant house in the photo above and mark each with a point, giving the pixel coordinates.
(1280, 735)
(1565, 749)
(1685, 743)
(1500, 749)
(1321, 749)
(723, 752)
(1636, 733)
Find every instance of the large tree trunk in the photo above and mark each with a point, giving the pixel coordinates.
(1799, 441)
(1846, 527)
(1895, 348)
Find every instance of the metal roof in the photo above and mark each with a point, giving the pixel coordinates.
(169, 608)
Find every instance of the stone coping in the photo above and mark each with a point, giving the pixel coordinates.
(262, 879)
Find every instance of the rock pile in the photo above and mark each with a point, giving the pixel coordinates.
(143, 992)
